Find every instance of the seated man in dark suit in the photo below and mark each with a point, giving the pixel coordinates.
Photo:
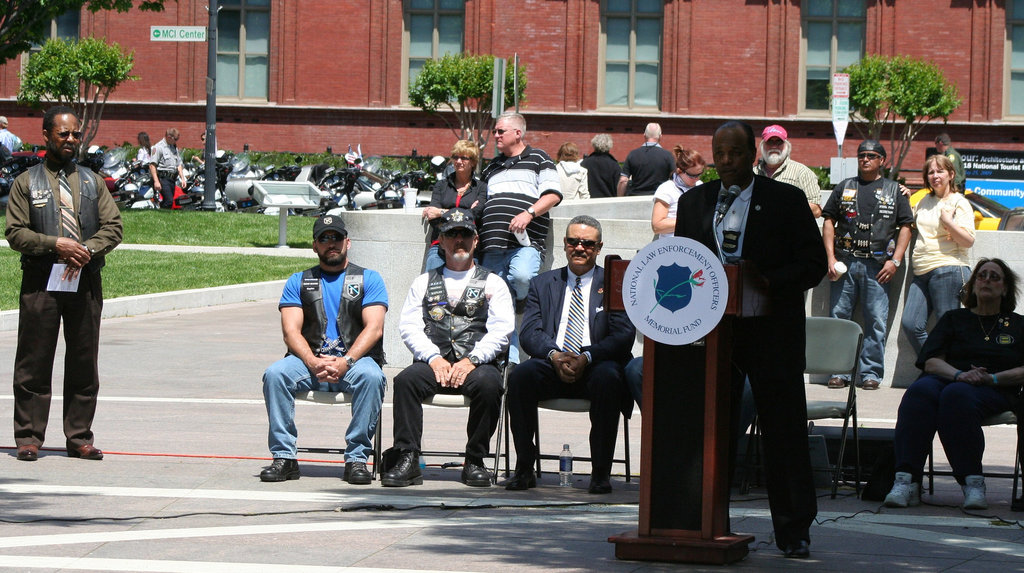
(581, 350)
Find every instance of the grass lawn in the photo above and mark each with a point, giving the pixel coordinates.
(142, 272)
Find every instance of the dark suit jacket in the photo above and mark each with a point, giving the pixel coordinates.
(781, 237)
(611, 333)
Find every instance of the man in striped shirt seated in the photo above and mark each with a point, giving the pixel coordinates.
(522, 186)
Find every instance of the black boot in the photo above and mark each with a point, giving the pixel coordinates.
(282, 469)
(357, 474)
(405, 472)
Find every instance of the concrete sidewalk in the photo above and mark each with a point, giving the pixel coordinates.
(182, 421)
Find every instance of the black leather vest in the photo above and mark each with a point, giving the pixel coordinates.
(350, 310)
(867, 234)
(456, 330)
(46, 219)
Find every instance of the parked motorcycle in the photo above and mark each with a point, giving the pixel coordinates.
(19, 162)
(240, 174)
(134, 189)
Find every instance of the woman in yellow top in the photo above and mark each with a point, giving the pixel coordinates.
(945, 231)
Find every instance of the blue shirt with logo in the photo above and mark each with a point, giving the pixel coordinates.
(374, 292)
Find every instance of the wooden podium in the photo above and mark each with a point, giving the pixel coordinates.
(684, 484)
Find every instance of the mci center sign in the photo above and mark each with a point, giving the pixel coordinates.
(177, 33)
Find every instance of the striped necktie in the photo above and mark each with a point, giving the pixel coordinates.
(68, 222)
(574, 325)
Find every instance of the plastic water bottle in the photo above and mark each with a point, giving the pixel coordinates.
(423, 463)
(565, 467)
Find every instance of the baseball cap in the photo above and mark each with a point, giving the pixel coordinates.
(871, 145)
(329, 223)
(457, 219)
(774, 131)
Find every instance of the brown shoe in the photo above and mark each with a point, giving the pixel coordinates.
(86, 452)
(869, 385)
(837, 382)
(29, 453)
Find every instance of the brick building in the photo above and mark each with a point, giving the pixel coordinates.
(302, 75)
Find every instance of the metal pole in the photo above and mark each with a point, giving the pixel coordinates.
(515, 79)
(209, 154)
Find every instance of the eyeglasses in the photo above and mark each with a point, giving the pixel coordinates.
(460, 233)
(697, 176)
(869, 156)
(574, 242)
(501, 131)
(460, 158)
(71, 134)
(330, 238)
(990, 276)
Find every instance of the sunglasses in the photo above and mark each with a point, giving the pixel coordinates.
(990, 276)
(330, 238)
(460, 158)
(501, 131)
(869, 156)
(574, 242)
(67, 134)
(693, 176)
(458, 234)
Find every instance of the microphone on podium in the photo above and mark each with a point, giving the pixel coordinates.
(725, 200)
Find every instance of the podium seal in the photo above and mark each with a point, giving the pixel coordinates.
(675, 291)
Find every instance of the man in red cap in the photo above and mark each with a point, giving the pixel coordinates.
(776, 164)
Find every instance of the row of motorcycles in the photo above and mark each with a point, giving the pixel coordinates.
(360, 184)
(357, 186)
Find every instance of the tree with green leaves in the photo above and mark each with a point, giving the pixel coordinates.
(80, 74)
(462, 86)
(893, 98)
(25, 23)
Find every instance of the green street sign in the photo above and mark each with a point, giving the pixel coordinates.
(177, 33)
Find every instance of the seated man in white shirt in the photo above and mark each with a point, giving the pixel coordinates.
(456, 321)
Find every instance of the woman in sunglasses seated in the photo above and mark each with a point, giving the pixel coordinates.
(460, 189)
(972, 363)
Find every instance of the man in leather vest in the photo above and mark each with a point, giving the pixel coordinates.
(456, 321)
(63, 221)
(332, 316)
(867, 228)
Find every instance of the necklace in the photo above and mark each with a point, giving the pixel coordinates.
(988, 332)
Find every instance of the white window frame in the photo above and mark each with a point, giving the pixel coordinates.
(243, 8)
(634, 16)
(436, 12)
(835, 21)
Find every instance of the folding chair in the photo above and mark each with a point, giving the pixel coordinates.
(460, 401)
(1007, 417)
(340, 399)
(579, 405)
(833, 347)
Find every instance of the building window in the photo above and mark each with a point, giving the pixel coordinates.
(243, 49)
(433, 28)
(631, 53)
(833, 39)
(1015, 94)
(65, 26)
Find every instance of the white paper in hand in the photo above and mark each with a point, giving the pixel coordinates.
(57, 284)
(523, 238)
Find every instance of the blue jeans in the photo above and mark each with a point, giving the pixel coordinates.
(289, 376)
(433, 260)
(859, 283)
(954, 410)
(936, 291)
(517, 267)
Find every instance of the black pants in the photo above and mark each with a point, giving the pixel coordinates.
(604, 384)
(417, 383)
(39, 323)
(167, 184)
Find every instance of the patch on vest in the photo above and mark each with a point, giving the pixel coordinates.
(436, 312)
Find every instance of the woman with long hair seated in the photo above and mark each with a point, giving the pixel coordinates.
(973, 363)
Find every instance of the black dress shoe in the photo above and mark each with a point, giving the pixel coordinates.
(29, 453)
(600, 485)
(405, 473)
(282, 469)
(357, 474)
(799, 550)
(522, 479)
(85, 452)
(476, 476)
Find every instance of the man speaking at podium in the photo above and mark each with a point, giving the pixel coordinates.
(769, 225)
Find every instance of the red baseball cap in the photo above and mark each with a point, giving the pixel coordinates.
(774, 131)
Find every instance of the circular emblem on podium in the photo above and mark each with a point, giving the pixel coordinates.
(675, 291)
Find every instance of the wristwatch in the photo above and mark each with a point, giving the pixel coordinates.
(350, 361)
(531, 211)
(473, 359)
(896, 262)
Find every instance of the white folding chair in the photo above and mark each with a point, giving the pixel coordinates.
(339, 399)
(579, 405)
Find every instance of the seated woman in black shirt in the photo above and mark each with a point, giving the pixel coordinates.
(973, 363)
(459, 189)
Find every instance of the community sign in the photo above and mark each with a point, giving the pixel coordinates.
(998, 175)
(675, 291)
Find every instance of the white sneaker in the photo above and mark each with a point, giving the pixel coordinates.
(974, 492)
(904, 492)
